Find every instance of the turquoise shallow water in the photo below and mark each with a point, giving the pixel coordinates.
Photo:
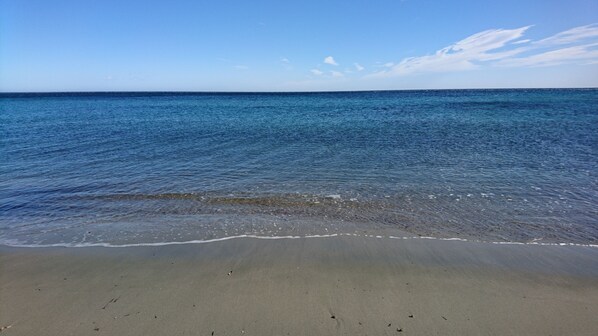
(497, 165)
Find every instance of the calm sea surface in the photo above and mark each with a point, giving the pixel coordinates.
(494, 165)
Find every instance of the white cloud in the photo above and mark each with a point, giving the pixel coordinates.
(241, 67)
(358, 67)
(336, 74)
(522, 41)
(572, 35)
(316, 72)
(554, 57)
(502, 47)
(461, 55)
(330, 60)
(286, 63)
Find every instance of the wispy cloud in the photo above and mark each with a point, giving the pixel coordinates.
(573, 35)
(241, 67)
(286, 63)
(330, 60)
(358, 67)
(522, 41)
(503, 47)
(316, 72)
(336, 74)
(555, 57)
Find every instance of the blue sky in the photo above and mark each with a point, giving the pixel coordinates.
(296, 46)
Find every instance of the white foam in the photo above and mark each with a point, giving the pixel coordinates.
(206, 241)
(16, 244)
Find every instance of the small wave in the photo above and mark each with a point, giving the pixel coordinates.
(497, 242)
(215, 240)
(291, 200)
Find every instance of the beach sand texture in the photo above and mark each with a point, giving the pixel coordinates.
(312, 286)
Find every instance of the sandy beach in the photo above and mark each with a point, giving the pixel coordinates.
(313, 286)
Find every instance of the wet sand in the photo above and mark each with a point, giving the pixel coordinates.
(314, 286)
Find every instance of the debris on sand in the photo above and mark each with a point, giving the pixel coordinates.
(113, 300)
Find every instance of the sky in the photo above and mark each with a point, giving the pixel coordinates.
(85, 45)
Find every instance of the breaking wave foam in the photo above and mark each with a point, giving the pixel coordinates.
(215, 240)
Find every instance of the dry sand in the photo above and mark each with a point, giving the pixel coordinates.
(315, 286)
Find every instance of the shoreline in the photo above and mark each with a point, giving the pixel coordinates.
(338, 285)
(401, 236)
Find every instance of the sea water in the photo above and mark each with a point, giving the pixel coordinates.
(129, 168)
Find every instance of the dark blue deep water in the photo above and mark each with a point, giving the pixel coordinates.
(495, 165)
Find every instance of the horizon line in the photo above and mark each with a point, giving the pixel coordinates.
(282, 92)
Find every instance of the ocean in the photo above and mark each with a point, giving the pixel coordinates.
(151, 168)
